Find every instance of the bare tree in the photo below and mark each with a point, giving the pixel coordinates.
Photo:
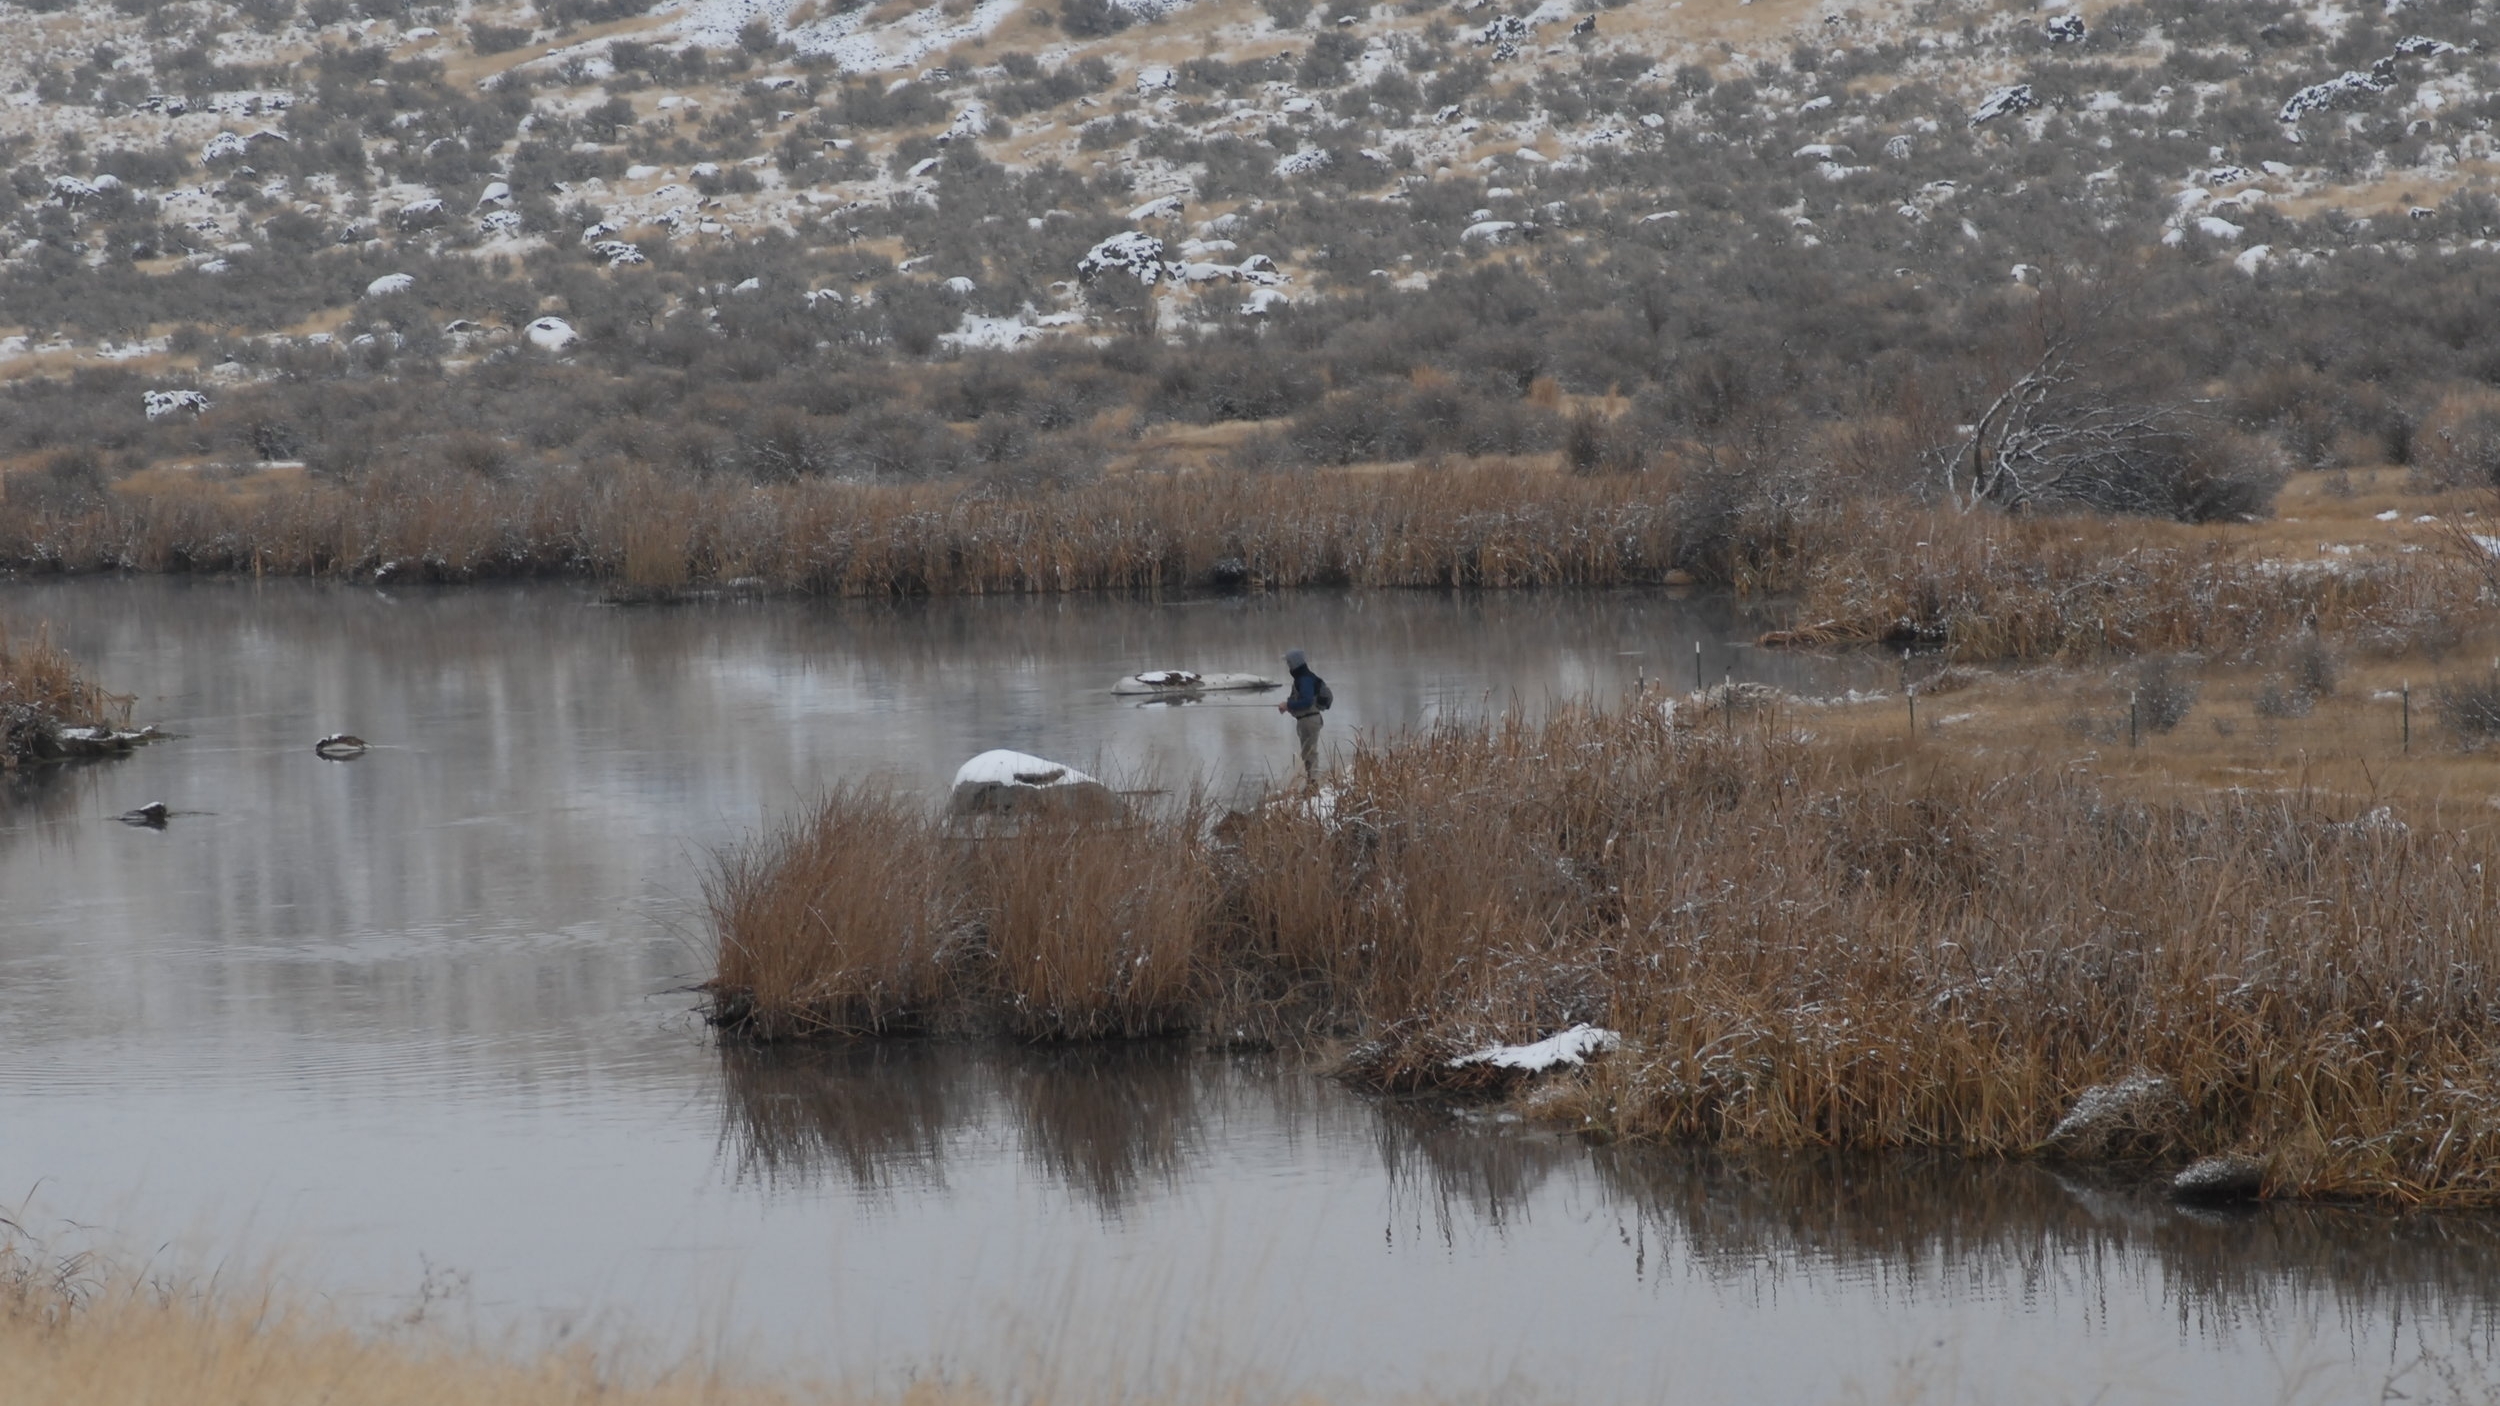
(2054, 436)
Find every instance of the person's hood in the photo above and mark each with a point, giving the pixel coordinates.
(1296, 659)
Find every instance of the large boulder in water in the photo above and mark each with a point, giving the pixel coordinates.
(1014, 783)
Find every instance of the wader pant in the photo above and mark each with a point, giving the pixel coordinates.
(1306, 729)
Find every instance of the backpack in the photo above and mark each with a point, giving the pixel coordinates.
(1321, 698)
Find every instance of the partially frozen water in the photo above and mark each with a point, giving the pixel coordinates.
(416, 1026)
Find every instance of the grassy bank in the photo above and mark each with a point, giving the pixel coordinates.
(77, 1334)
(1857, 944)
(1488, 525)
(41, 692)
(1983, 585)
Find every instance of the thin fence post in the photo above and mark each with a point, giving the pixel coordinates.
(2132, 702)
(1697, 666)
(1911, 693)
(2408, 707)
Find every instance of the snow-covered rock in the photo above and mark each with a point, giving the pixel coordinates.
(1161, 682)
(496, 193)
(1155, 77)
(1506, 34)
(1572, 1047)
(225, 146)
(390, 283)
(1305, 161)
(160, 404)
(551, 334)
(1134, 252)
(2004, 102)
(618, 253)
(973, 121)
(1004, 783)
(2109, 1120)
(1167, 208)
(2319, 97)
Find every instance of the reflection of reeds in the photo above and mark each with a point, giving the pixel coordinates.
(1110, 1122)
(1961, 1226)
(1808, 945)
(880, 1113)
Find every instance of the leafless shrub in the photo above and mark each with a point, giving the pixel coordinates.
(2469, 708)
(2164, 694)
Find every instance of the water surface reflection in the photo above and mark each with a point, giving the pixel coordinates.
(428, 1008)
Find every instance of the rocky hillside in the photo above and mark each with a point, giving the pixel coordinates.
(783, 237)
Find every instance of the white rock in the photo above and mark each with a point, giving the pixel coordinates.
(160, 404)
(1571, 1047)
(390, 283)
(551, 334)
(1184, 681)
(1135, 253)
(1004, 782)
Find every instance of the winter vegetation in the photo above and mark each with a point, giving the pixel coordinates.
(1800, 942)
(268, 259)
(43, 694)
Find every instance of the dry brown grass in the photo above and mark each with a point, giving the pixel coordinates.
(42, 690)
(75, 1333)
(1985, 587)
(837, 923)
(1858, 944)
(1485, 526)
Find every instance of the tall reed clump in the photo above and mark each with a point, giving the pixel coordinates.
(41, 692)
(836, 924)
(1094, 928)
(1803, 943)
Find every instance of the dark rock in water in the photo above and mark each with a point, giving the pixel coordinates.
(2139, 1115)
(1229, 574)
(151, 816)
(339, 746)
(2214, 1180)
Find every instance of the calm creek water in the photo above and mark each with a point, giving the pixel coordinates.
(413, 1028)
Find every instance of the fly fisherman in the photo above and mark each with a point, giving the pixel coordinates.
(1306, 700)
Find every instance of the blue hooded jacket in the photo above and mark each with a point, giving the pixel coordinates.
(1304, 699)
